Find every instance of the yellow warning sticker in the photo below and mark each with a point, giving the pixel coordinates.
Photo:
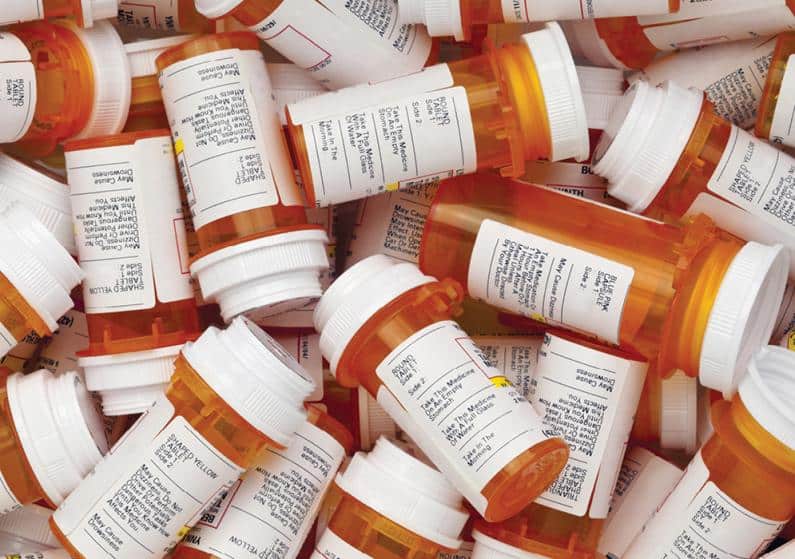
(501, 382)
(179, 146)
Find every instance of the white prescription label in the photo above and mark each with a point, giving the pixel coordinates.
(59, 353)
(7, 340)
(464, 407)
(699, 521)
(328, 38)
(781, 128)
(129, 227)
(17, 88)
(145, 495)
(758, 178)
(162, 15)
(16, 11)
(547, 281)
(331, 546)
(222, 137)
(47, 554)
(517, 11)
(270, 511)
(516, 357)
(576, 179)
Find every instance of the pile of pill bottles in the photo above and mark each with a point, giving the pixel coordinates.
(315, 279)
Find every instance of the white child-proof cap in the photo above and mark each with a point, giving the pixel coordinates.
(26, 529)
(142, 54)
(265, 276)
(129, 383)
(487, 547)
(602, 89)
(442, 18)
(254, 375)
(568, 122)
(58, 427)
(586, 44)
(357, 295)
(45, 196)
(407, 492)
(94, 10)
(679, 413)
(647, 133)
(743, 314)
(36, 264)
(215, 9)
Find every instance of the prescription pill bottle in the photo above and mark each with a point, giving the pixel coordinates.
(694, 295)
(234, 394)
(778, 104)
(666, 153)
(59, 350)
(457, 17)
(131, 243)
(291, 83)
(26, 529)
(66, 83)
(518, 103)
(731, 74)
(271, 509)
(36, 278)
(516, 356)
(392, 505)
(259, 256)
(738, 492)
(668, 412)
(52, 436)
(645, 480)
(163, 15)
(634, 42)
(339, 44)
(386, 326)
(83, 12)
(304, 346)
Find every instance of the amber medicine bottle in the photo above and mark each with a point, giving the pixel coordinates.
(83, 12)
(272, 508)
(163, 15)
(67, 83)
(518, 103)
(259, 256)
(234, 394)
(653, 288)
(386, 326)
(778, 103)
(739, 490)
(392, 505)
(132, 248)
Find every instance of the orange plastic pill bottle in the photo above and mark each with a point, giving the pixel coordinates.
(392, 505)
(696, 296)
(520, 102)
(340, 45)
(259, 256)
(83, 12)
(778, 102)
(66, 83)
(37, 276)
(739, 490)
(274, 505)
(52, 436)
(132, 248)
(163, 15)
(234, 394)
(387, 327)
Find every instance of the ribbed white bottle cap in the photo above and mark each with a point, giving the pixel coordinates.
(129, 383)
(215, 9)
(602, 89)
(743, 314)
(142, 54)
(407, 492)
(374, 422)
(767, 391)
(586, 44)
(356, 296)
(487, 547)
(264, 276)
(26, 529)
(442, 18)
(36, 264)
(59, 428)
(568, 122)
(45, 196)
(94, 10)
(254, 375)
(112, 81)
(647, 133)
(679, 413)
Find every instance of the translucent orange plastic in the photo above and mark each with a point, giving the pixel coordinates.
(16, 314)
(507, 107)
(646, 427)
(64, 8)
(146, 106)
(785, 46)
(522, 479)
(191, 21)
(678, 269)
(250, 224)
(64, 86)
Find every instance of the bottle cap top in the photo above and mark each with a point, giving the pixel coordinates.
(142, 54)
(442, 18)
(265, 276)
(356, 296)
(568, 123)
(586, 44)
(644, 139)
(374, 421)
(26, 528)
(679, 413)
(94, 10)
(407, 492)
(743, 314)
(129, 383)
(59, 428)
(41, 193)
(487, 547)
(254, 375)
(602, 89)
(215, 9)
